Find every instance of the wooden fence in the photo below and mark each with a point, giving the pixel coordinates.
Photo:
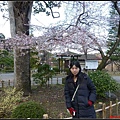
(109, 109)
(101, 111)
(54, 80)
(5, 83)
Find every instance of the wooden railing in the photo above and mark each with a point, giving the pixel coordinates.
(101, 111)
(104, 109)
(54, 80)
(5, 83)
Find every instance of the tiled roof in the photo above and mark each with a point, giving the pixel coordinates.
(89, 57)
(67, 53)
(80, 56)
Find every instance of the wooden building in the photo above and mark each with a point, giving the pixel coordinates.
(89, 61)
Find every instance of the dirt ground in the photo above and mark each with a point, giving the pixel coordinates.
(52, 99)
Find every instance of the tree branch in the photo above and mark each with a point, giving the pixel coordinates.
(52, 11)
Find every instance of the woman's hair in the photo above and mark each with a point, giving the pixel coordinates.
(77, 64)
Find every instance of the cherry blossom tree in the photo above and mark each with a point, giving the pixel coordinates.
(105, 58)
(83, 16)
(82, 30)
(20, 17)
(100, 20)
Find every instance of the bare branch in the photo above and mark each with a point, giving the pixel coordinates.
(115, 3)
(52, 11)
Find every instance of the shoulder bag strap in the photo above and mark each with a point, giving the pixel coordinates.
(75, 93)
(76, 89)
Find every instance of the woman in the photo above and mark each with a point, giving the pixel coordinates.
(80, 93)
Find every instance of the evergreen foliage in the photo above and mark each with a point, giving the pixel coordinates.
(6, 61)
(43, 74)
(113, 36)
(29, 109)
(103, 82)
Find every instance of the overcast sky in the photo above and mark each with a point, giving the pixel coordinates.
(39, 20)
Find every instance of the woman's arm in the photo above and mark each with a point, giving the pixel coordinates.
(67, 95)
(92, 88)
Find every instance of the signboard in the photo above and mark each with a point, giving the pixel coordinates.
(91, 64)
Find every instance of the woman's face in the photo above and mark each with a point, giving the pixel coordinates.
(74, 70)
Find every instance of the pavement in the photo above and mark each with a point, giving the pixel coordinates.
(55, 80)
(10, 76)
(117, 78)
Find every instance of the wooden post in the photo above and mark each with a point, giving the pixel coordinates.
(33, 83)
(117, 107)
(9, 83)
(61, 115)
(51, 81)
(2, 83)
(110, 108)
(45, 116)
(99, 107)
(104, 110)
(94, 106)
(57, 80)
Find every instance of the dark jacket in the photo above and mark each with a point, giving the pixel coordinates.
(85, 92)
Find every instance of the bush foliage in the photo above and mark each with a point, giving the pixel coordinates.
(6, 61)
(103, 82)
(9, 98)
(43, 74)
(29, 109)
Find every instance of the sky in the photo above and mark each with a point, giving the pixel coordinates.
(39, 19)
(4, 27)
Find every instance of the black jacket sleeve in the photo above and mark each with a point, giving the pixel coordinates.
(67, 94)
(92, 89)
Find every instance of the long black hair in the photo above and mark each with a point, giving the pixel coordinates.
(77, 64)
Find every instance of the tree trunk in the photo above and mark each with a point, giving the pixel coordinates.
(23, 70)
(106, 58)
(20, 15)
(102, 65)
(11, 17)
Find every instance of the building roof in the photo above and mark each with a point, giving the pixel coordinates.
(67, 53)
(79, 56)
(89, 57)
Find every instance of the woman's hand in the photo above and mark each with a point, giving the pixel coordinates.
(90, 102)
(72, 111)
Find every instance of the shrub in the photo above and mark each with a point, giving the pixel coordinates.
(29, 109)
(67, 70)
(103, 82)
(9, 98)
(63, 80)
(43, 74)
(56, 69)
